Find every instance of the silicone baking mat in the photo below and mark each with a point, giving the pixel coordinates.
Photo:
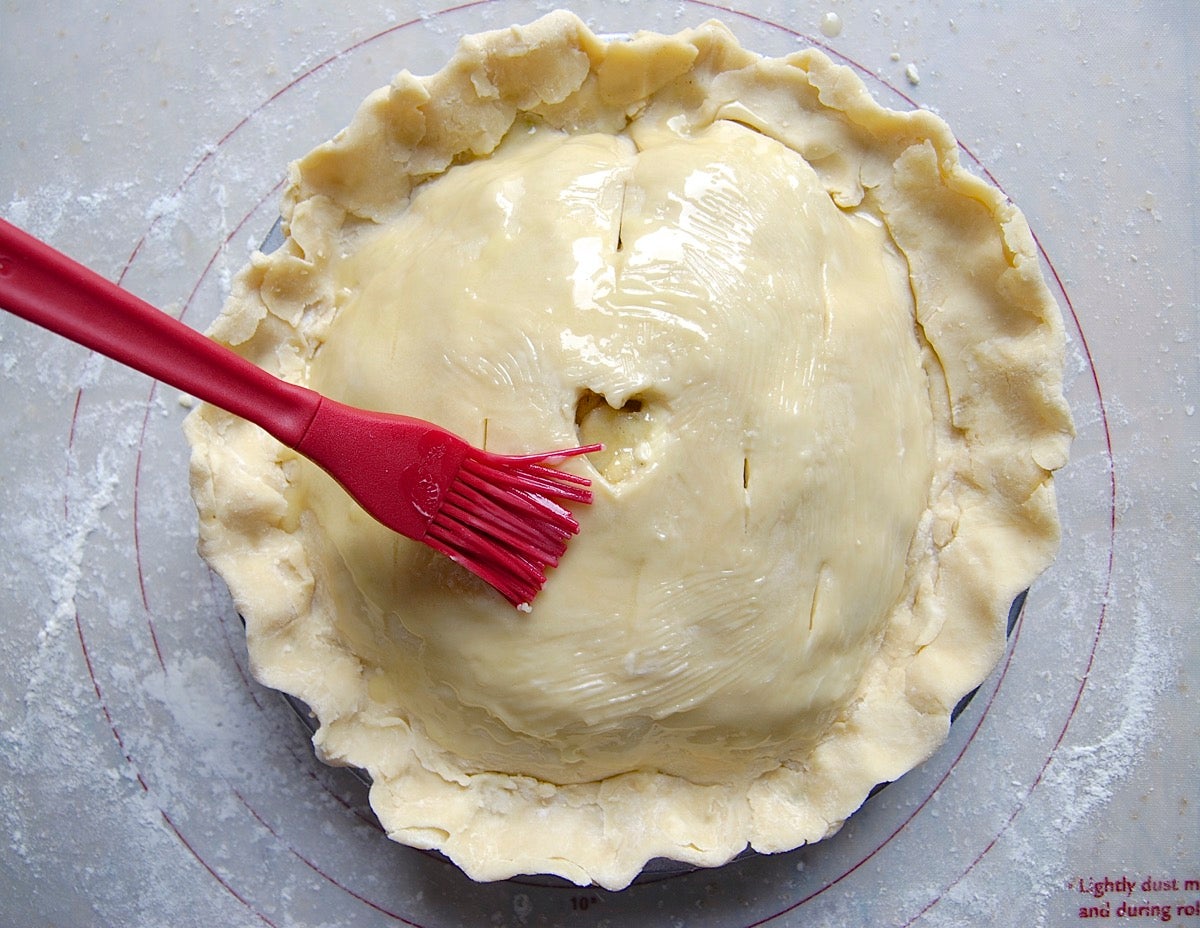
(146, 780)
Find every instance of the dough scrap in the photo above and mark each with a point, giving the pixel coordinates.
(830, 375)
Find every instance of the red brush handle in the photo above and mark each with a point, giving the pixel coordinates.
(46, 287)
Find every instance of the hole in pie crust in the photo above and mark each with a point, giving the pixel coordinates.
(626, 431)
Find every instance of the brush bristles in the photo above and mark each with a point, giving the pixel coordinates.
(502, 519)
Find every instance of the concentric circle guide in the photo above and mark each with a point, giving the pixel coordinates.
(782, 890)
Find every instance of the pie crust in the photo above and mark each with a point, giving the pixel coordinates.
(828, 373)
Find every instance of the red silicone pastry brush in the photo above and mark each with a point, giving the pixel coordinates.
(502, 517)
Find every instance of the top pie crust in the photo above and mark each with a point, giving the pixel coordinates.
(829, 376)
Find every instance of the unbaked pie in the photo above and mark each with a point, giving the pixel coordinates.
(828, 376)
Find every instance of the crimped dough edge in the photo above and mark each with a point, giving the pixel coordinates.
(1002, 428)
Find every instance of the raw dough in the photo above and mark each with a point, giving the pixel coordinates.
(828, 373)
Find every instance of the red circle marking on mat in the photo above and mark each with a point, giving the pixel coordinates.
(224, 881)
